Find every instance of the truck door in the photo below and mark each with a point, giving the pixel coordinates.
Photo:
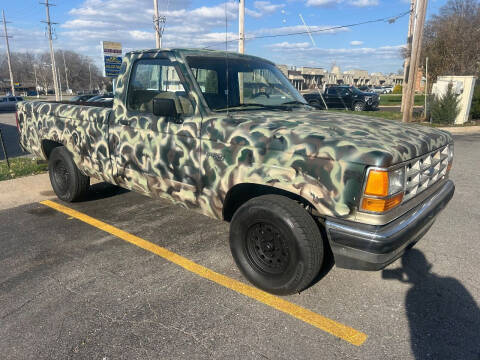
(331, 98)
(345, 98)
(155, 155)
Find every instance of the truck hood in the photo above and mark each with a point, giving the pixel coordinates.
(353, 138)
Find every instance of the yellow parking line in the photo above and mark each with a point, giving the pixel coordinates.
(330, 326)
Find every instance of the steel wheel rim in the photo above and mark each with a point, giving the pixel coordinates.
(267, 248)
(61, 174)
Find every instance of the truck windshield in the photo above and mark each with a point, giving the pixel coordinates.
(243, 84)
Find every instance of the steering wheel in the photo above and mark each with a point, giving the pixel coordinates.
(260, 93)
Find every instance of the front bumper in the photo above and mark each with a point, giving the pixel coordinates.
(372, 247)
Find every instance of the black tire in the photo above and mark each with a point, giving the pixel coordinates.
(358, 106)
(68, 183)
(276, 244)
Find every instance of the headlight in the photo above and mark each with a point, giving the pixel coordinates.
(383, 190)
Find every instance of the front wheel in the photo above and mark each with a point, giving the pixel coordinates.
(276, 244)
(358, 106)
(68, 183)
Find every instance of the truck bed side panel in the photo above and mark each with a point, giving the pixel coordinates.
(83, 130)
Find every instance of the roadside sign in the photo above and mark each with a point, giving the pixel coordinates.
(112, 58)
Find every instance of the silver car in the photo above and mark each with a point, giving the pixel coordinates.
(9, 103)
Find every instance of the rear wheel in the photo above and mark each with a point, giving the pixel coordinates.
(276, 244)
(68, 183)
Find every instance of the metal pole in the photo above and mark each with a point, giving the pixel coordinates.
(308, 30)
(8, 54)
(90, 72)
(156, 22)
(414, 62)
(52, 53)
(65, 67)
(60, 84)
(406, 65)
(36, 81)
(241, 27)
(4, 149)
(426, 85)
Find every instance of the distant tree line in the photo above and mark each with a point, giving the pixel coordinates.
(24, 66)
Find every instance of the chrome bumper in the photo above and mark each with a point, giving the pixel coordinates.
(372, 247)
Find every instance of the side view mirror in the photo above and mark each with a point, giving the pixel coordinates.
(165, 107)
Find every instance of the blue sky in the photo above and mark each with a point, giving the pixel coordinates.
(82, 24)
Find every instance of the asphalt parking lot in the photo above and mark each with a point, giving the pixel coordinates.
(71, 287)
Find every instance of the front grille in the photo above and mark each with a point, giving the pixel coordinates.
(424, 171)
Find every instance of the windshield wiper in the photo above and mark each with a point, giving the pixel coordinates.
(263, 106)
(294, 102)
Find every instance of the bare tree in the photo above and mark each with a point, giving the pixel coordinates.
(452, 39)
(24, 66)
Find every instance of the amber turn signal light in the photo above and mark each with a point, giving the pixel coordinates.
(377, 183)
(381, 205)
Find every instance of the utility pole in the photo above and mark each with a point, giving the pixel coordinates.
(66, 71)
(415, 60)
(241, 27)
(52, 53)
(8, 53)
(159, 25)
(406, 65)
(156, 21)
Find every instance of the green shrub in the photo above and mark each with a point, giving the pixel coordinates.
(397, 89)
(475, 109)
(444, 109)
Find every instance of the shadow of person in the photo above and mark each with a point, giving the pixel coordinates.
(444, 318)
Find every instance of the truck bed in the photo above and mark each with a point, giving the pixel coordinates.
(81, 127)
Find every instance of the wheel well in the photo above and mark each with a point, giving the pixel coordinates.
(241, 193)
(48, 146)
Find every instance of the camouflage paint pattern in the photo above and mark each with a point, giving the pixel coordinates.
(317, 155)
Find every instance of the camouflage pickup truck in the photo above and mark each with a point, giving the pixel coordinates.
(227, 135)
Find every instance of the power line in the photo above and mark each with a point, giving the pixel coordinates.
(390, 19)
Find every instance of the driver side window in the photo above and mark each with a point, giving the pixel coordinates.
(156, 78)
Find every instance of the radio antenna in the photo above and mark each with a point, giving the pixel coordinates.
(226, 58)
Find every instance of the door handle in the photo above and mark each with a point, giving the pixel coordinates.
(124, 122)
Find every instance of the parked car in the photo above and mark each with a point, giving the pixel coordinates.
(343, 97)
(32, 93)
(80, 98)
(9, 103)
(293, 182)
(387, 89)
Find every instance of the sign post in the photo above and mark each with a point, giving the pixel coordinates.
(112, 60)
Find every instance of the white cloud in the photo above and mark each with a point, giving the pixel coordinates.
(267, 7)
(330, 3)
(364, 3)
(356, 43)
(323, 3)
